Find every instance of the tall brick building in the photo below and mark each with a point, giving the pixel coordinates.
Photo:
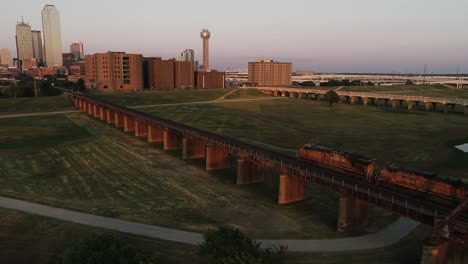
(168, 74)
(210, 79)
(114, 72)
(270, 73)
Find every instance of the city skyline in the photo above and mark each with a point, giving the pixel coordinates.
(313, 36)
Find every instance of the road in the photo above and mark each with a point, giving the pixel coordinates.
(383, 238)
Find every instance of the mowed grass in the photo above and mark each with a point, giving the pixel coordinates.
(106, 172)
(159, 97)
(26, 105)
(425, 90)
(420, 139)
(26, 238)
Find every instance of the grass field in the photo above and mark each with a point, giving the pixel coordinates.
(419, 139)
(83, 164)
(28, 239)
(34, 105)
(415, 90)
(162, 97)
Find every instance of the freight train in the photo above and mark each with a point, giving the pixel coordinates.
(393, 176)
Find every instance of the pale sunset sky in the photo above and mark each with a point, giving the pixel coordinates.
(320, 35)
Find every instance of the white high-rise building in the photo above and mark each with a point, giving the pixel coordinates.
(52, 36)
(24, 45)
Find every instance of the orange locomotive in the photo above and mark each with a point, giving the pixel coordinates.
(423, 181)
(356, 165)
(395, 175)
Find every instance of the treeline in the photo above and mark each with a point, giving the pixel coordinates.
(222, 245)
(30, 87)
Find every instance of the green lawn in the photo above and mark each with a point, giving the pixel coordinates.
(416, 90)
(76, 162)
(28, 239)
(416, 138)
(34, 105)
(159, 97)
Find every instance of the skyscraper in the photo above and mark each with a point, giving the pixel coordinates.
(52, 36)
(77, 50)
(187, 55)
(5, 57)
(205, 35)
(24, 45)
(37, 46)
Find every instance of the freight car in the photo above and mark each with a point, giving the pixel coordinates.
(423, 181)
(351, 164)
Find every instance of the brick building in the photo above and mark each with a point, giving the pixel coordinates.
(114, 72)
(168, 74)
(270, 73)
(210, 79)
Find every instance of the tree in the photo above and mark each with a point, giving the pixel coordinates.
(80, 86)
(228, 245)
(409, 82)
(102, 249)
(332, 97)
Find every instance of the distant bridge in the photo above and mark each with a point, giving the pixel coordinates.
(394, 100)
(252, 162)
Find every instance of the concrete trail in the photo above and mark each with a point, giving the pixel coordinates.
(39, 114)
(207, 102)
(383, 238)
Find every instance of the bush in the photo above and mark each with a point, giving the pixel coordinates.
(228, 245)
(332, 97)
(102, 249)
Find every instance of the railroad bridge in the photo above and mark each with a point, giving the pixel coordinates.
(450, 221)
(381, 99)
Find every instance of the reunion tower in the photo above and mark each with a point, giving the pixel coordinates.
(205, 35)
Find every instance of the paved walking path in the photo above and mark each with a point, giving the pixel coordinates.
(39, 114)
(207, 102)
(383, 238)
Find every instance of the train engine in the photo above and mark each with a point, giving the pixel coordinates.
(423, 181)
(342, 162)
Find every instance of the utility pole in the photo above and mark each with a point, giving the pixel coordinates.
(35, 87)
(424, 77)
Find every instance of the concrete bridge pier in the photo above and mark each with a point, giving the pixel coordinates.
(129, 123)
(395, 103)
(110, 116)
(443, 252)
(249, 172)
(353, 99)
(96, 111)
(171, 140)
(428, 106)
(217, 159)
(275, 93)
(352, 213)
(155, 134)
(80, 105)
(365, 101)
(291, 189)
(102, 113)
(410, 105)
(446, 108)
(192, 148)
(300, 95)
(90, 109)
(118, 120)
(141, 129)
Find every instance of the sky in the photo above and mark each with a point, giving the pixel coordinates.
(398, 36)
